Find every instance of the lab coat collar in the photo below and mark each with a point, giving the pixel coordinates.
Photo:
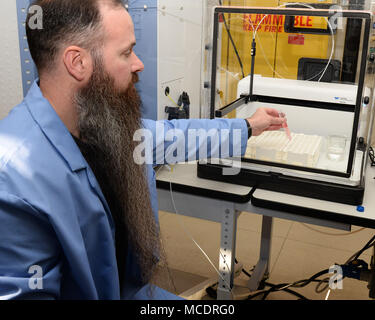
(53, 127)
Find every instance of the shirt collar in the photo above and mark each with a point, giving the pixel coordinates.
(54, 129)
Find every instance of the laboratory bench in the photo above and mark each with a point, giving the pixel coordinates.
(179, 186)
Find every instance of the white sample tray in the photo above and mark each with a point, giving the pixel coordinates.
(274, 146)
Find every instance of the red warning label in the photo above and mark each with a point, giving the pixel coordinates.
(275, 23)
(296, 39)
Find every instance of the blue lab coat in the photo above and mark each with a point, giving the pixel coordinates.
(56, 229)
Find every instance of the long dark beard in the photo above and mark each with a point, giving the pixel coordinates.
(108, 119)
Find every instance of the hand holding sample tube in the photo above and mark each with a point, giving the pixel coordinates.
(285, 125)
(266, 119)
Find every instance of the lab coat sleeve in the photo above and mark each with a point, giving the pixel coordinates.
(189, 140)
(29, 264)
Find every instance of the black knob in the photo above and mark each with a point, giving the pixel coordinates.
(166, 91)
(366, 100)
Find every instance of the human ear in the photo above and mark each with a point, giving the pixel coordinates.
(77, 62)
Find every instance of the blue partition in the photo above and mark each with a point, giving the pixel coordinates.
(144, 14)
(28, 69)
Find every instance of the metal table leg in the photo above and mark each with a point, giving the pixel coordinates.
(262, 267)
(227, 254)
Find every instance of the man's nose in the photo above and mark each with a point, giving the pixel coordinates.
(138, 65)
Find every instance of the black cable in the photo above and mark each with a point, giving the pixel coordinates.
(212, 291)
(253, 54)
(305, 282)
(272, 285)
(295, 293)
(297, 284)
(245, 272)
(280, 287)
(372, 156)
(292, 292)
(368, 245)
(233, 44)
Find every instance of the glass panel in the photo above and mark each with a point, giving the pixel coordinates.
(311, 67)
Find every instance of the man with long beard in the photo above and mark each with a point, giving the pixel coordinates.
(78, 216)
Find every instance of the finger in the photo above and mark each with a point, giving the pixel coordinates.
(272, 112)
(278, 121)
(274, 127)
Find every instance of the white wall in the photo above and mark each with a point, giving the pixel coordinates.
(10, 67)
(179, 52)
